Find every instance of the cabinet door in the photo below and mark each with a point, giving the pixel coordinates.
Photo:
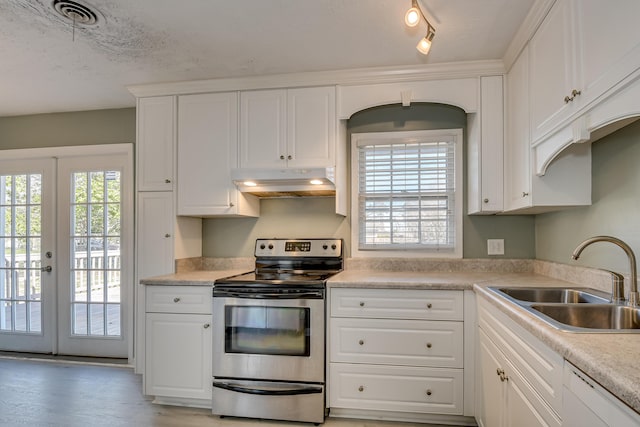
(155, 143)
(178, 355)
(606, 57)
(523, 408)
(311, 127)
(155, 225)
(517, 180)
(207, 150)
(263, 129)
(492, 394)
(553, 71)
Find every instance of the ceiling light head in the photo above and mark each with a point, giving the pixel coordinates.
(424, 45)
(412, 17)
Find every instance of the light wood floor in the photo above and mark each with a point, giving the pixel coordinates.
(70, 394)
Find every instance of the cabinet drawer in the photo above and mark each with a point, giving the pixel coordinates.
(397, 342)
(396, 388)
(178, 299)
(397, 304)
(536, 361)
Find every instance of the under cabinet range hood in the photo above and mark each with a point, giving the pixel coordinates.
(285, 182)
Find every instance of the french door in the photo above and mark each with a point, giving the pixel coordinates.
(66, 237)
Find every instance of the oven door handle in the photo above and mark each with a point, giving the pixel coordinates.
(268, 391)
(268, 295)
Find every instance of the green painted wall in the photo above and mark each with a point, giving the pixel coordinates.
(615, 208)
(315, 217)
(68, 129)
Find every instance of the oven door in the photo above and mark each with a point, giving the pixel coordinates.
(269, 334)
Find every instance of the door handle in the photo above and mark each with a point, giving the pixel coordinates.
(47, 269)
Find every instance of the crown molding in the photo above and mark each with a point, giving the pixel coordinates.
(452, 70)
(534, 18)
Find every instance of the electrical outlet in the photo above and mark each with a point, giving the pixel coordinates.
(495, 246)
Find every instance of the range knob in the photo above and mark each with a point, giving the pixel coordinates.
(262, 246)
(325, 246)
(333, 246)
(270, 245)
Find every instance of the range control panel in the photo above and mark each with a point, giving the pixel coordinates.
(299, 247)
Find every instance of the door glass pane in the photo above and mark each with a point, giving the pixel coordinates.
(95, 253)
(20, 250)
(267, 330)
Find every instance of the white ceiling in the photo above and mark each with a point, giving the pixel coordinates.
(43, 70)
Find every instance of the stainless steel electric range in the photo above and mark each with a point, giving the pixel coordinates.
(269, 332)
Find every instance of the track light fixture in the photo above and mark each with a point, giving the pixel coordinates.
(412, 18)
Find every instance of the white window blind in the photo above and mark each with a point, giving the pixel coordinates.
(406, 194)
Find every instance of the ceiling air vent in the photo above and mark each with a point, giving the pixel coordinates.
(79, 13)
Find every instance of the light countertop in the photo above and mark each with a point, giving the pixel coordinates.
(191, 278)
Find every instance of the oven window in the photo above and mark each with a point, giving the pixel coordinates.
(280, 331)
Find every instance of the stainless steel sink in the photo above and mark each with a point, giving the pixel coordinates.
(554, 295)
(578, 317)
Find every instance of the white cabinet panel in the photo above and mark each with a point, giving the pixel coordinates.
(178, 356)
(178, 299)
(155, 143)
(397, 342)
(311, 127)
(263, 128)
(288, 128)
(155, 225)
(395, 388)
(399, 304)
(207, 151)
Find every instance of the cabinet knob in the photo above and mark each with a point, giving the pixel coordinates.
(281, 157)
(429, 305)
(499, 371)
(567, 99)
(575, 93)
(167, 235)
(167, 181)
(206, 325)
(429, 392)
(361, 342)
(486, 200)
(176, 299)
(289, 157)
(231, 205)
(525, 194)
(361, 303)
(361, 388)
(429, 345)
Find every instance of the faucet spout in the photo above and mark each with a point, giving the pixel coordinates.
(633, 292)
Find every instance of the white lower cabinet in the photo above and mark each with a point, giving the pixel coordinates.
(178, 345)
(519, 377)
(390, 357)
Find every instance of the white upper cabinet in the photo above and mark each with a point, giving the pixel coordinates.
(207, 151)
(311, 127)
(155, 143)
(288, 128)
(485, 151)
(567, 183)
(553, 69)
(583, 56)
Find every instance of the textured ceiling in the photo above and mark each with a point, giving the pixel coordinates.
(46, 66)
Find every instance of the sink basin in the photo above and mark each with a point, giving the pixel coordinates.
(555, 295)
(609, 317)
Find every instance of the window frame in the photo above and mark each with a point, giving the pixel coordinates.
(403, 137)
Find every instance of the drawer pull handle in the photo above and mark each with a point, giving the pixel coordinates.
(361, 342)
(176, 299)
(361, 303)
(206, 325)
(361, 388)
(429, 305)
(429, 345)
(429, 393)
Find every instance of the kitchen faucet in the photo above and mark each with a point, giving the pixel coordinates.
(618, 281)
